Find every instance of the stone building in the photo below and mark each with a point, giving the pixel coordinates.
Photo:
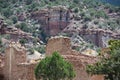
(79, 61)
(14, 65)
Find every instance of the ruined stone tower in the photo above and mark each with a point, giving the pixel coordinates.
(13, 56)
(16, 67)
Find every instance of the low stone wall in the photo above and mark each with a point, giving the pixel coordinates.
(26, 71)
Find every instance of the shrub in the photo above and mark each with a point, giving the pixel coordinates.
(22, 41)
(54, 68)
(14, 19)
(7, 12)
(87, 18)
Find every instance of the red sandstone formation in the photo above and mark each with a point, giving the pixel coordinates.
(53, 20)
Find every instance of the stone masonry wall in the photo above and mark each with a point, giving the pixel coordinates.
(13, 56)
(16, 66)
(79, 61)
(26, 71)
(62, 45)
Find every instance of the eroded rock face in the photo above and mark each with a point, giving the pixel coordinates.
(98, 37)
(53, 20)
(15, 33)
(79, 61)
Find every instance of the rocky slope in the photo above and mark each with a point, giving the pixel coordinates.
(92, 21)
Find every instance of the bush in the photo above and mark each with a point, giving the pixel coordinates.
(28, 2)
(87, 18)
(40, 49)
(101, 14)
(23, 26)
(14, 19)
(108, 66)
(7, 12)
(31, 50)
(54, 68)
(22, 41)
(85, 26)
(76, 1)
(34, 6)
(96, 22)
(76, 10)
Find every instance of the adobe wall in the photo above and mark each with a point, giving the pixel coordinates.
(79, 61)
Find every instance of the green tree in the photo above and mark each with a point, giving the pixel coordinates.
(54, 68)
(14, 19)
(7, 12)
(23, 41)
(109, 66)
(28, 2)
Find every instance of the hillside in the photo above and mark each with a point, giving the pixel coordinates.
(34, 21)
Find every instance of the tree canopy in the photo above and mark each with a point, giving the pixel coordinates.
(54, 68)
(110, 66)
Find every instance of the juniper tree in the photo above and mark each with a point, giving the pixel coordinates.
(54, 68)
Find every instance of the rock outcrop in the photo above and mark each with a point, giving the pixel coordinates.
(99, 37)
(53, 20)
(15, 33)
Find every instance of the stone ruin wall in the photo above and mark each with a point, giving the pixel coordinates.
(61, 45)
(79, 61)
(27, 72)
(79, 68)
(1, 67)
(12, 58)
(16, 67)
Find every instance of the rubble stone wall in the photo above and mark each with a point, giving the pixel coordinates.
(16, 66)
(26, 71)
(79, 61)
(62, 45)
